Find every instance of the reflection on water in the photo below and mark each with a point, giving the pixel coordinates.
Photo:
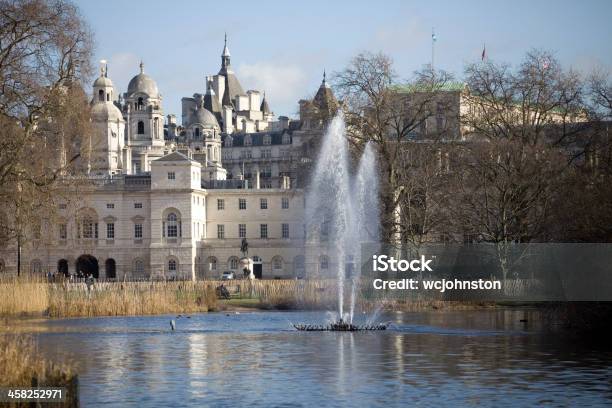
(256, 359)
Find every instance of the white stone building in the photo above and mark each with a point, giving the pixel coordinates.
(163, 201)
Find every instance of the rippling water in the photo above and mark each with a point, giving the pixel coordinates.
(256, 359)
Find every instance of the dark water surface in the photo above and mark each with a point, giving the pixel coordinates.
(460, 358)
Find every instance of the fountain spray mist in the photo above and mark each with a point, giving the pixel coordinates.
(328, 204)
(367, 205)
(339, 213)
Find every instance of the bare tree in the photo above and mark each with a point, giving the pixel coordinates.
(378, 107)
(524, 125)
(45, 52)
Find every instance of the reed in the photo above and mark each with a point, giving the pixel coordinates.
(63, 299)
(22, 366)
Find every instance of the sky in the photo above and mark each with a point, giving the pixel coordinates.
(282, 47)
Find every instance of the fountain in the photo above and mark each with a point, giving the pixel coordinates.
(342, 212)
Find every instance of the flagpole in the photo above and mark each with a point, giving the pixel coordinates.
(433, 47)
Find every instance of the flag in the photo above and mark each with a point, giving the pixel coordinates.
(484, 53)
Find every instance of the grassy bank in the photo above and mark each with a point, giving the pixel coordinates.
(22, 366)
(26, 296)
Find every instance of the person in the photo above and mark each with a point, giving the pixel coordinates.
(89, 282)
(222, 292)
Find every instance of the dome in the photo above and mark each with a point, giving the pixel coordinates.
(106, 112)
(204, 117)
(102, 82)
(143, 83)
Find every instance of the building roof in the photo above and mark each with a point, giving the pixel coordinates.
(174, 157)
(106, 112)
(445, 87)
(204, 117)
(257, 139)
(264, 105)
(144, 84)
(102, 82)
(324, 98)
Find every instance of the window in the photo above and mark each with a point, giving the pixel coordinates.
(196, 133)
(36, 266)
(110, 230)
(267, 140)
(266, 153)
(89, 229)
(324, 262)
(221, 231)
(266, 171)
(172, 226)
(263, 203)
(137, 231)
(140, 128)
(286, 139)
(241, 230)
(232, 263)
(138, 268)
(220, 204)
(285, 230)
(101, 95)
(277, 263)
(248, 154)
(172, 266)
(263, 231)
(63, 231)
(247, 140)
(212, 263)
(285, 203)
(171, 175)
(110, 206)
(228, 141)
(242, 203)
(137, 205)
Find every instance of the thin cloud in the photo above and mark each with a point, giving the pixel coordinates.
(283, 84)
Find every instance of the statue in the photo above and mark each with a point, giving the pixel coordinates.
(244, 248)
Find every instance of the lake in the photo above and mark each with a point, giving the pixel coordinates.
(256, 359)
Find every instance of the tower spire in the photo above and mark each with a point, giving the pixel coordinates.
(141, 67)
(324, 82)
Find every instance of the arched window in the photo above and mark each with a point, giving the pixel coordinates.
(141, 127)
(172, 225)
(277, 263)
(36, 266)
(267, 139)
(324, 262)
(248, 141)
(138, 268)
(212, 263)
(232, 263)
(140, 104)
(172, 267)
(196, 133)
(156, 128)
(228, 141)
(101, 95)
